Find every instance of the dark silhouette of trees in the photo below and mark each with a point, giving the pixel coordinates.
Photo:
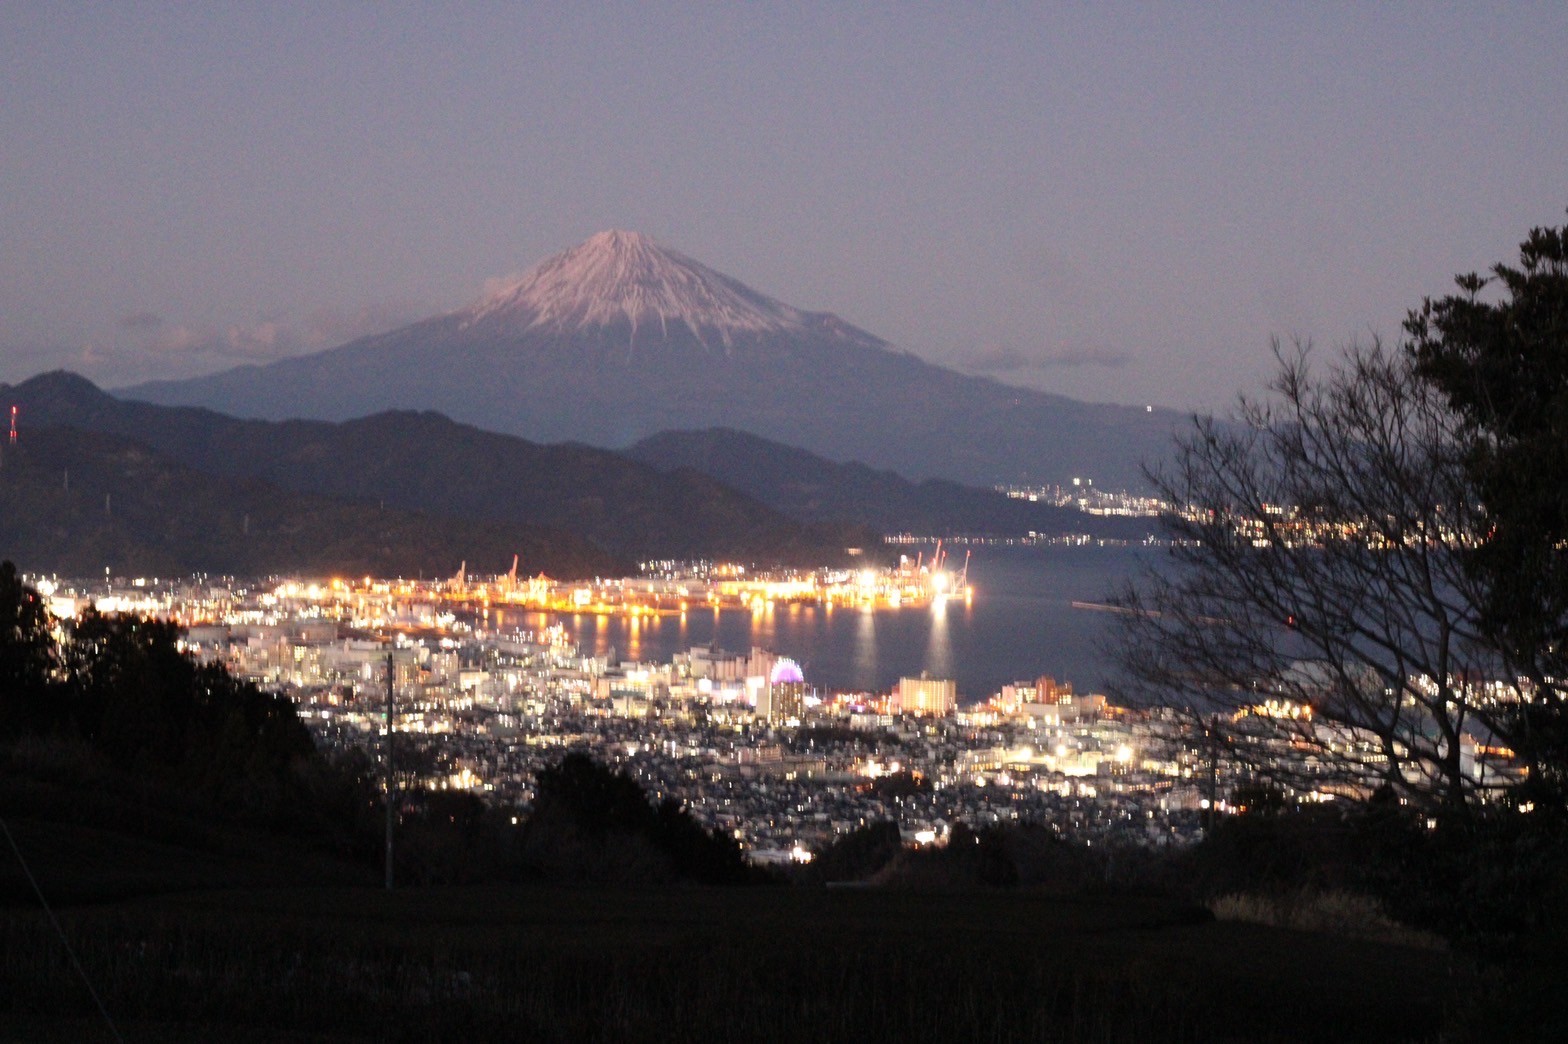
(451, 837)
(590, 822)
(132, 689)
(900, 784)
(124, 685)
(970, 859)
(594, 797)
(1501, 360)
(1371, 596)
(858, 855)
(28, 656)
(981, 854)
(151, 708)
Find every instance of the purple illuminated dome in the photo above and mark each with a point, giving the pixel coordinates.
(786, 672)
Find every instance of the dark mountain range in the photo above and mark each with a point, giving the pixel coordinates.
(813, 489)
(75, 502)
(618, 339)
(425, 462)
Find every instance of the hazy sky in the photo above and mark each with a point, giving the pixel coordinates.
(1117, 202)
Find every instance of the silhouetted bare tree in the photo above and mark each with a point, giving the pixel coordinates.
(1317, 618)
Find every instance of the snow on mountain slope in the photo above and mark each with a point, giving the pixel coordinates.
(625, 280)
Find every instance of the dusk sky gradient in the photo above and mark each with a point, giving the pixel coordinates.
(1116, 202)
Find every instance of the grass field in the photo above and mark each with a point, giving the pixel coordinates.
(193, 930)
(529, 963)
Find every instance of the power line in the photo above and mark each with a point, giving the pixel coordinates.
(60, 931)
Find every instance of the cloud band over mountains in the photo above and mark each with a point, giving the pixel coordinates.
(146, 345)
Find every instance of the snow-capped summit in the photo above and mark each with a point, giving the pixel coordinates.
(646, 292)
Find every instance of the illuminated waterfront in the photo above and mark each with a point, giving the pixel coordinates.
(1020, 624)
(776, 756)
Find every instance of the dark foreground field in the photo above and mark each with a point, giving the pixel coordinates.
(342, 963)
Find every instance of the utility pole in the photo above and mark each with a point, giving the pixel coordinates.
(1214, 756)
(387, 754)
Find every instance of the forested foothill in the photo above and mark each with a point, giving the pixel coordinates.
(121, 689)
(107, 724)
(193, 490)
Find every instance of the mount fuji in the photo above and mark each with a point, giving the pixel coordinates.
(620, 338)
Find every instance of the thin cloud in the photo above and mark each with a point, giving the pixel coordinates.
(152, 351)
(261, 342)
(148, 341)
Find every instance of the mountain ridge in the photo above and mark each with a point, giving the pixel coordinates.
(76, 502)
(424, 461)
(814, 489)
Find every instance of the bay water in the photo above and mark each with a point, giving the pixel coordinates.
(1020, 624)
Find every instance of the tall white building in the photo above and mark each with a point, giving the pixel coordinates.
(925, 695)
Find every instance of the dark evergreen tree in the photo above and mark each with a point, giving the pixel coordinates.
(133, 690)
(700, 855)
(28, 655)
(857, 855)
(589, 821)
(152, 709)
(597, 799)
(1498, 350)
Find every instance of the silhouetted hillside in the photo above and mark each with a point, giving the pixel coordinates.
(428, 463)
(77, 502)
(814, 489)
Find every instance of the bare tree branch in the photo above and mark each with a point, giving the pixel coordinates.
(1316, 603)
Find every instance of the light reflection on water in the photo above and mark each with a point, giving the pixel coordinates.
(865, 660)
(1020, 625)
(939, 647)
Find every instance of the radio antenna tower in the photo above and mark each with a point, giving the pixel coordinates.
(13, 425)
